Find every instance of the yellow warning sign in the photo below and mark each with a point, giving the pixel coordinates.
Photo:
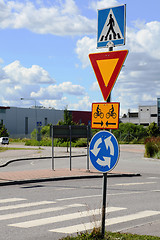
(105, 115)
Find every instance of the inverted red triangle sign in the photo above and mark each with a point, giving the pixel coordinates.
(107, 66)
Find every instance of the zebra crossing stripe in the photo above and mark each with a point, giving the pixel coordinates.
(25, 205)
(80, 197)
(7, 200)
(38, 211)
(61, 218)
(111, 221)
(130, 184)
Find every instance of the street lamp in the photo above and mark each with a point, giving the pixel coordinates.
(32, 99)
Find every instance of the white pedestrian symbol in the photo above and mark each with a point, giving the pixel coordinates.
(111, 30)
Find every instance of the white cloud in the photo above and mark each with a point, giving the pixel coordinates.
(17, 81)
(85, 46)
(103, 4)
(61, 19)
(57, 104)
(19, 74)
(83, 104)
(95, 86)
(69, 88)
(51, 92)
(35, 83)
(57, 91)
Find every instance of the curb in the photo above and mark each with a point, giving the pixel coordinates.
(20, 182)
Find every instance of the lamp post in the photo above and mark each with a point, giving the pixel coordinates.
(35, 105)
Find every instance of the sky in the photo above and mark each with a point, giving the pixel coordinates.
(44, 48)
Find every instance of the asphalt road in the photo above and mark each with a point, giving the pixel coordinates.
(54, 209)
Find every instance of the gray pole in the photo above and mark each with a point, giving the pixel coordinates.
(52, 147)
(70, 147)
(110, 48)
(104, 203)
(88, 148)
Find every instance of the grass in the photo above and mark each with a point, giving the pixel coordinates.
(2, 149)
(96, 235)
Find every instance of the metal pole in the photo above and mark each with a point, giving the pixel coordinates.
(70, 147)
(110, 48)
(52, 148)
(88, 149)
(36, 119)
(104, 203)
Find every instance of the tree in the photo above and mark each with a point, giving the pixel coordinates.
(3, 131)
(129, 132)
(67, 121)
(153, 130)
(67, 118)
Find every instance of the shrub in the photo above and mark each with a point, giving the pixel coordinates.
(130, 133)
(152, 146)
(43, 142)
(3, 131)
(82, 142)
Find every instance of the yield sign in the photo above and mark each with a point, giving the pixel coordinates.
(107, 66)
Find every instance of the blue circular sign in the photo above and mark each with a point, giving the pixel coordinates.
(104, 151)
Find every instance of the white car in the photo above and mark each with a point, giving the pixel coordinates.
(4, 140)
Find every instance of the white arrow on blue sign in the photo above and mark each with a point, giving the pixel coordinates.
(104, 151)
(111, 26)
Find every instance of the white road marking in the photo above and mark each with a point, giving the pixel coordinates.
(111, 221)
(24, 205)
(81, 197)
(61, 218)
(7, 200)
(153, 178)
(130, 184)
(39, 211)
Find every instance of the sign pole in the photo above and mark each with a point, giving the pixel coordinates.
(88, 149)
(52, 131)
(70, 131)
(109, 35)
(104, 203)
(110, 48)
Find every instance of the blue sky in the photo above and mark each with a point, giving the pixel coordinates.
(44, 49)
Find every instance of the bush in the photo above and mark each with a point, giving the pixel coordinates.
(82, 142)
(130, 133)
(43, 142)
(3, 131)
(152, 146)
(153, 130)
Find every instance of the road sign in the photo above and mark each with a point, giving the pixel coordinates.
(111, 26)
(105, 115)
(107, 66)
(39, 124)
(104, 151)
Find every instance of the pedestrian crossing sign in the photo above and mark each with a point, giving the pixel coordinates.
(111, 26)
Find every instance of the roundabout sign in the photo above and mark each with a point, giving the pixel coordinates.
(104, 151)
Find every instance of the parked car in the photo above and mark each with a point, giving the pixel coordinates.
(4, 140)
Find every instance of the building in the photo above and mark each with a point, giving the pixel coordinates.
(80, 117)
(20, 122)
(145, 116)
